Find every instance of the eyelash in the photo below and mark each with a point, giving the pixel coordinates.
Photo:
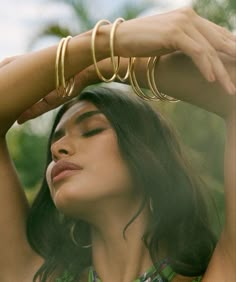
(92, 132)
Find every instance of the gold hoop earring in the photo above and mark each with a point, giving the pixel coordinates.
(151, 205)
(72, 236)
(151, 66)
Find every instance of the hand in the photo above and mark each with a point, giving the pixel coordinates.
(8, 60)
(52, 101)
(181, 30)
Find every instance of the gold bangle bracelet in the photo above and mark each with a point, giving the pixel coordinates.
(64, 88)
(151, 85)
(116, 66)
(58, 55)
(134, 83)
(94, 33)
(112, 34)
(68, 86)
(152, 61)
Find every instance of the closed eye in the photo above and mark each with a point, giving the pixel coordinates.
(92, 132)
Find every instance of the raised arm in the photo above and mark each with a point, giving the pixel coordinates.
(29, 78)
(207, 54)
(24, 81)
(178, 76)
(222, 265)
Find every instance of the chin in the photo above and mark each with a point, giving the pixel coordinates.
(72, 202)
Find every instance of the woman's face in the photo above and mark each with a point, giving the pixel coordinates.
(87, 170)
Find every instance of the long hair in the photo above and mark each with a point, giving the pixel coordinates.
(149, 145)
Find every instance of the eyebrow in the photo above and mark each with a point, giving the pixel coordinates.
(86, 115)
(59, 133)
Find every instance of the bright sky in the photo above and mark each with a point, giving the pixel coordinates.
(21, 20)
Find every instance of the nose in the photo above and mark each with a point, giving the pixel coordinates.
(62, 148)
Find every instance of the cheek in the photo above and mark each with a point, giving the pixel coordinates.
(104, 175)
(111, 174)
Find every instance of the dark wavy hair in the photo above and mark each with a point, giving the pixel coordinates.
(149, 145)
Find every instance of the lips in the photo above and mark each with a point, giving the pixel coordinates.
(62, 169)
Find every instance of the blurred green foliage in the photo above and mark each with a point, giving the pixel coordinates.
(27, 149)
(222, 12)
(83, 19)
(201, 132)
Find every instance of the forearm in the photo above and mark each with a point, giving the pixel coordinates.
(184, 77)
(29, 78)
(177, 76)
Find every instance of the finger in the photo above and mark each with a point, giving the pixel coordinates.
(224, 47)
(222, 76)
(48, 103)
(36, 110)
(52, 101)
(8, 60)
(222, 30)
(219, 37)
(217, 66)
(197, 53)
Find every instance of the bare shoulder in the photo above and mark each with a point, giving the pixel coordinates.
(23, 272)
(222, 265)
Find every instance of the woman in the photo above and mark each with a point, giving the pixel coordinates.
(109, 186)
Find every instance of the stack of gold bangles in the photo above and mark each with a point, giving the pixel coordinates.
(65, 88)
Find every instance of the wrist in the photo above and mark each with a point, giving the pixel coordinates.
(79, 55)
(102, 42)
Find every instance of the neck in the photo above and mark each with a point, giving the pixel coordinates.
(116, 258)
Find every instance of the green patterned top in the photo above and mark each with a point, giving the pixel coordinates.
(162, 273)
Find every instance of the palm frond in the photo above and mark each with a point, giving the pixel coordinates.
(80, 10)
(130, 10)
(53, 30)
(81, 22)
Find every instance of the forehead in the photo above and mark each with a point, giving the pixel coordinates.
(76, 110)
